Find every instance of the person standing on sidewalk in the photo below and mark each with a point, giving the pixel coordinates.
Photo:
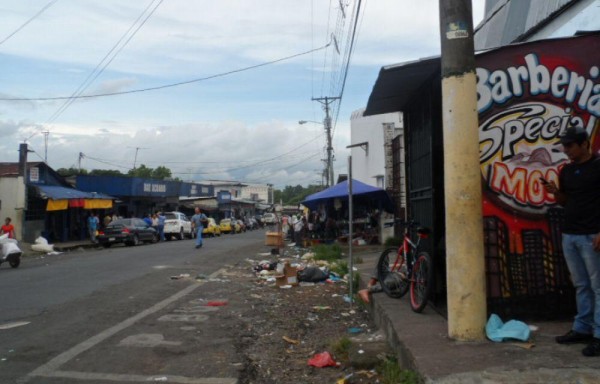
(579, 193)
(198, 221)
(93, 226)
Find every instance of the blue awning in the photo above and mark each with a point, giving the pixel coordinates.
(376, 196)
(55, 192)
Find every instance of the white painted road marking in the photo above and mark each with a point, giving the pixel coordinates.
(50, 369)
(13, 325)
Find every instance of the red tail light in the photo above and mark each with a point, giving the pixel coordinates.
(100, 232)
(125, 230)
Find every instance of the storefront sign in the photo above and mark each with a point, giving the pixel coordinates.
(528, 95)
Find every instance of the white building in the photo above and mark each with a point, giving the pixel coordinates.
(371, 142)
(258, 192)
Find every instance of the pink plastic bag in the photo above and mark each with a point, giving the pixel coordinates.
(321, 360)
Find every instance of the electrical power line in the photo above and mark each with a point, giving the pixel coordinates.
(29, 21)
(107, 59)
(170, 85)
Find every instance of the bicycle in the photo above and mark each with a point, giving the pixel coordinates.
(402, 268)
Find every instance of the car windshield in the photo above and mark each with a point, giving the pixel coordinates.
(170, 216)
(125, 222)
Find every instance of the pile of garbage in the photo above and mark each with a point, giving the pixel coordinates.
(290, 272)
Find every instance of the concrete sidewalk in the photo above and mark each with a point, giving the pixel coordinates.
(422, 345)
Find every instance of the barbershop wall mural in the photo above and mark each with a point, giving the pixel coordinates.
(528, 94)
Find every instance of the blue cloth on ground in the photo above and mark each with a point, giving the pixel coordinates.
(498, 331)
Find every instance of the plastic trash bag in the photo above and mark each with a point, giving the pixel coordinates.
(41, 240)
(9, 248)
(498, 331)
(321, 360)
(313, 275)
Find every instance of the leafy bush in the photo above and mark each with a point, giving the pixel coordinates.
(330, 253)
(391, 373)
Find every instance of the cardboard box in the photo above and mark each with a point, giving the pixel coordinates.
(274, 239)
(289, 277)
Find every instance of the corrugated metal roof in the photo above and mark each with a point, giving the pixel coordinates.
(509, 21)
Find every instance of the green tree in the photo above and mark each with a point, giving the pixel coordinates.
(161, 172)
(141, 171)
(71, 171)
(106, 172)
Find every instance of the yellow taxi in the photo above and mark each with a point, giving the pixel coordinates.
(225, 226)
(211, 229)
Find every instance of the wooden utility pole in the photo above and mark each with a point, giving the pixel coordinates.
(465, 262)
(327, 123)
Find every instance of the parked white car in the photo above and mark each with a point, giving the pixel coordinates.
(177, 225)
(269, 218)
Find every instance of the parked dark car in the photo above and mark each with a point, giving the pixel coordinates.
(128, 231)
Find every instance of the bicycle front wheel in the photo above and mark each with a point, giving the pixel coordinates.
(420, 283)
(389, 273)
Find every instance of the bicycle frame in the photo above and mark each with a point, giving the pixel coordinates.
(407, 247)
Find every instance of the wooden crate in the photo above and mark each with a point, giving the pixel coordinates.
(274, 239)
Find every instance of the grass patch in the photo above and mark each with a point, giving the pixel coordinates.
(341, 348)
(330, 253)
(391, 373)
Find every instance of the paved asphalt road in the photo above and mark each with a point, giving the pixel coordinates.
(115, 315)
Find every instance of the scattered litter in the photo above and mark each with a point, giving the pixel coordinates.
(291, 341)
(201, 276)
(216, 303)
(162, 378)
(321, 307)
(255, 296)
(348, 299)
(41, 245)
(344, 380)
(321, 360)
(306, 284)
(534, 328)
(181, 276)
(360, 351)
(355, 330)
(498, 331)
(313, 274)
(285, 286)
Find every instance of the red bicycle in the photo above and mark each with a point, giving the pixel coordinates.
(404, 268)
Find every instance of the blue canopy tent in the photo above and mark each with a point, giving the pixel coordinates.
(361, 192)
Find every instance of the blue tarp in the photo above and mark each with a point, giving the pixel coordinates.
(376, 196)
(55, 192)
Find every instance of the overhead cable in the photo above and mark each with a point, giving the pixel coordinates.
(171, 85)
(29, 21)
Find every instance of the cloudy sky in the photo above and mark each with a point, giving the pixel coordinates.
(249, 71)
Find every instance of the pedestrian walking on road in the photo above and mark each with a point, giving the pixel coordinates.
(161, 225)
(579, 193)
(198, 221)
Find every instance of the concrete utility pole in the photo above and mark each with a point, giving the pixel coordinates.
(462, 175)
(327, 123)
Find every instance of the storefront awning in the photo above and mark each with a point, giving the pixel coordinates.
(396, 85)
(56, 192)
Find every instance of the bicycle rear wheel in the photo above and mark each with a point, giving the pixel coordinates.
(420, 283)
(389, 276)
